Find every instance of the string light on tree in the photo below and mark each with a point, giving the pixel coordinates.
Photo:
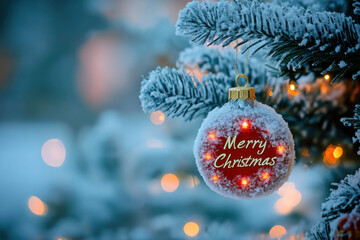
(244, 149)
(292, 89)
(327, 77)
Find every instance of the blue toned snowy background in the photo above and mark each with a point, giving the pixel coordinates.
(78, 157)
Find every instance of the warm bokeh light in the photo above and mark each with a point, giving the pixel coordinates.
(332, 156)
(292, 88)
(290, 198)
(288, 186)
(208, 156)
(282, 208)
(265, 176)
(192, 181)
(327, 77)
(270, 93)
(277, 231)
(191, 229)
(245, 125)
(281, 149)
(338, 152)
(305, 152)
(37, 206)
(157, 117)
(244, 182)
(53, 152)
(212, 135)
(196, 74)
(215, 178)
(169, 182)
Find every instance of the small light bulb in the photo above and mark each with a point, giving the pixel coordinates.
(212, 135)
(280, 149)
(208, 156)
(292, 87)
(265, 176)
(245, 125)
(244, 182)
(327, 77)
(215, 178)
(270, 93)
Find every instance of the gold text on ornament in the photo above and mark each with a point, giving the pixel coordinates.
(231, 142)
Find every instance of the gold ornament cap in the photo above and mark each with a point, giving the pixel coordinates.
(242, 93)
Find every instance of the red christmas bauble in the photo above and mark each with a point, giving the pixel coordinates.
(349, 226)
(244, 149)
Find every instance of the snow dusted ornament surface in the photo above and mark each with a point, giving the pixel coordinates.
(244, 149)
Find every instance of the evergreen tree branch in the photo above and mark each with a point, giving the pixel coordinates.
(356, 6)
(355, 123)
(293, 36)
(178, 94)
(341, 201)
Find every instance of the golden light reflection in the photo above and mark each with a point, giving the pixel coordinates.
(169, 182)
(277, 231)
(191, 229)
(53, 152)
(332, 156)
(157, 117)
(338, 151)
(37, 206)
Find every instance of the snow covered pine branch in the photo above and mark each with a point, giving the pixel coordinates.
(355, 123)
(295, 38)
(178, 93)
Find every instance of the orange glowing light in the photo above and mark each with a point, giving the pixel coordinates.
(265, 176)
(37, 206)
(270, 93)
(338, 152)
(244, 182)
(215, 178)
(281, 149)
(327, 77)
(53, 152)
(245, 125)
(282, 208)
(191, 229)
(157, 117)
(330, 156)
(277, 231)
(212, 135)
(169, 182)
(208, 156)
(292, 87)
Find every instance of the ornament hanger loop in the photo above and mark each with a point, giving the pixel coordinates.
(244, 74)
